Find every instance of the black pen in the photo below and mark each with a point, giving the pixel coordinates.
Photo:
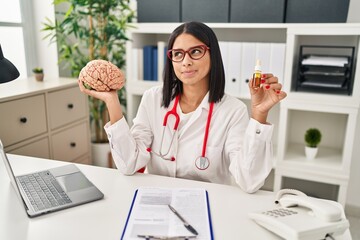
(186, 224)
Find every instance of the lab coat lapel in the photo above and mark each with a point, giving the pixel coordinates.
(204, 106)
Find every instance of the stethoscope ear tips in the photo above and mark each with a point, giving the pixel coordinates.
(148, 149)
(172, 159)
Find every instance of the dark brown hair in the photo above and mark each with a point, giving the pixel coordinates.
(172, 86)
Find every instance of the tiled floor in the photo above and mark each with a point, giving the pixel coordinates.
(354, 227)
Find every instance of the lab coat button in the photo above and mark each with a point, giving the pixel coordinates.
(258, 131)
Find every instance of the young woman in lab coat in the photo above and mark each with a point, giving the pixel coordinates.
(215, 140)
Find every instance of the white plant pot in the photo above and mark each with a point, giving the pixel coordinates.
(311, 153)
(101, 155)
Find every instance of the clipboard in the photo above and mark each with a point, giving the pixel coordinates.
(149, 214)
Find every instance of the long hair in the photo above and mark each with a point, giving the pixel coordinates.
(172, 86)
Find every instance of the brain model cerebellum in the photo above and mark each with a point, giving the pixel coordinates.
(102, 76)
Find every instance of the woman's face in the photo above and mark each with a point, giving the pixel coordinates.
(189, 71)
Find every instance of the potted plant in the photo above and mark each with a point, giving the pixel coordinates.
(312, 140)
(91, 30)
(39, 73)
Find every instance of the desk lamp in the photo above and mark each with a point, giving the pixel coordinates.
(8, 71)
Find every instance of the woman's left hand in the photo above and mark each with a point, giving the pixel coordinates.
(263, 98)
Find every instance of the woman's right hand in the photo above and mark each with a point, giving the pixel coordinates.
(110, 98)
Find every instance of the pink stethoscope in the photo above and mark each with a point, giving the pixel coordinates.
(202, 162)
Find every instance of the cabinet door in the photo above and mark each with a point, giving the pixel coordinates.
(66, 106)
(22, 119)
(39, 149)
(84, 160)
(71, 143)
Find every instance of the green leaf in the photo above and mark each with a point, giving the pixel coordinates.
(72, 33)
(69, 11)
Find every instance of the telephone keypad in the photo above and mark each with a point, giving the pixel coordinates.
(280, 212)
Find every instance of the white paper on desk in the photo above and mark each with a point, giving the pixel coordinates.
(150, 214)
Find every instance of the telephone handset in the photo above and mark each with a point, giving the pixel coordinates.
(301, 217)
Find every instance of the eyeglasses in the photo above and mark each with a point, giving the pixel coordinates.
(195, 53)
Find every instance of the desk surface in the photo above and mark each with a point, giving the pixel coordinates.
(105, 219)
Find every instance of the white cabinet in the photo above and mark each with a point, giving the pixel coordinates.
(26, 115)
(39, 148)
(66, 102)
(47, 119)
(253, 38)
(334, 114)
(71, 143)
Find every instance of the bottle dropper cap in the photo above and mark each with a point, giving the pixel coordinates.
(258, 65)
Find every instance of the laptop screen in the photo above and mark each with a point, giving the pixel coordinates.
(9, 171)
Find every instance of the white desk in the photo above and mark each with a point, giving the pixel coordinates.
(105, 219)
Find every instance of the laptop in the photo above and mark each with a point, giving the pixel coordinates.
(53, 189)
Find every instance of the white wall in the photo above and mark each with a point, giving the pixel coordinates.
(46, 52)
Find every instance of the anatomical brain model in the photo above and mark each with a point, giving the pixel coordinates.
(102, 76)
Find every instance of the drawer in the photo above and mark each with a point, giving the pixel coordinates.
(66, 106)
(22, 119)
(83, 160)
(71, 143)
(40, 148)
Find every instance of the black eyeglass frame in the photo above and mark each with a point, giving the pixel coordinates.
(203, 46)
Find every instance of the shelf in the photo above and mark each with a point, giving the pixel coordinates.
(169, 27)
(224, 31)
(335, 115)
(138, 87)
(27, 86)
(327, 159)
(323, 37)
(312, 188)
(324, 99)
(294, 28)
(324, 29)
(332, 125)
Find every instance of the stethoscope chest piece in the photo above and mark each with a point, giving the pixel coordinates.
(202, 163)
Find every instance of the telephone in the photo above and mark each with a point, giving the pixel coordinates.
(299, 216)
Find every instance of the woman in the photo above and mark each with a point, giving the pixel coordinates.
(215, 140)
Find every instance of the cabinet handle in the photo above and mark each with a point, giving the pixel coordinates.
(23, 119)
(72, 144)
(70, 106)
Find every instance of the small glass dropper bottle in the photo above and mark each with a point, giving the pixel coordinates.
(257, 74)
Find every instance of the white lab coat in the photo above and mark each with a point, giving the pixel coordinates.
(239, 149)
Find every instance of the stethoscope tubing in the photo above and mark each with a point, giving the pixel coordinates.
(206, 135)
(176, 125)
(162, 138)
(173, 112)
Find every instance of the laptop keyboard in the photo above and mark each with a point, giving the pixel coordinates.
(43, 191)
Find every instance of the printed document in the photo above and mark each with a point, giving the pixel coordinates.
(150, 215)
(326, 61)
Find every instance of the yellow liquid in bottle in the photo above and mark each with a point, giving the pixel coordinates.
(256, 79)
(257, 75)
